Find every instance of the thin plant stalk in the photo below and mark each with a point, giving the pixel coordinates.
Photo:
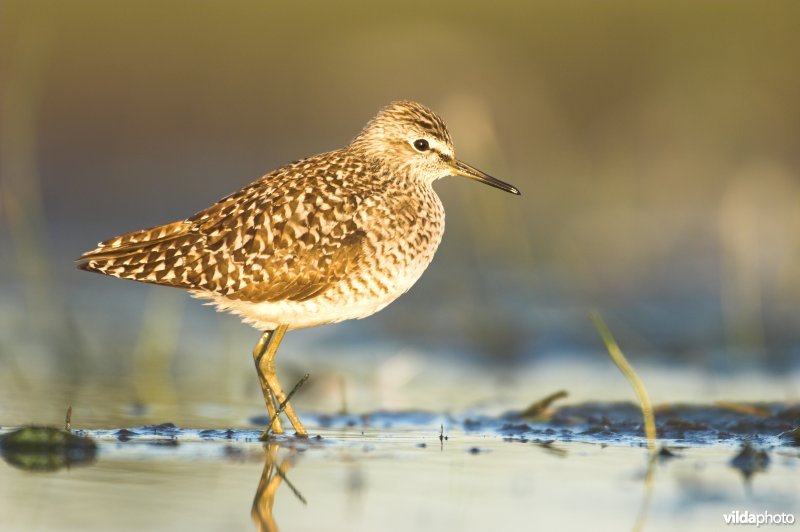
(625, 367)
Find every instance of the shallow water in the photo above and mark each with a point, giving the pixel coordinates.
(418, 471)
(581, 465)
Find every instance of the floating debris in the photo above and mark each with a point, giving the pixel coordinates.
(217, 434)
(36, 448)
(168, 430)
(125, 434)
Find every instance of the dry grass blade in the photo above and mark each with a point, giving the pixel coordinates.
(296, 492)
(538, 408)
(624, 366)
(649, 478)
(743, 409)
(282, 406)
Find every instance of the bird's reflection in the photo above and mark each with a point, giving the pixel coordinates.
(273, 474)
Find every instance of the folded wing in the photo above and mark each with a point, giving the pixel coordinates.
(285, 237)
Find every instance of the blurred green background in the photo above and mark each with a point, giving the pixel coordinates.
(657, 145)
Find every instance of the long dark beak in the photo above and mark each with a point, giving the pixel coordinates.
(465, 170)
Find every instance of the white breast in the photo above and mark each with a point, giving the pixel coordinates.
(266, 316)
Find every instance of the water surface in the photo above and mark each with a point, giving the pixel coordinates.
(416, 470)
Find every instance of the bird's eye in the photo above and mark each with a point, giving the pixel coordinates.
(421, 145)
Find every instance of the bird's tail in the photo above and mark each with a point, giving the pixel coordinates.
(148, 255)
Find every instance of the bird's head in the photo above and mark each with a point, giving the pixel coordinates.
(412, 140)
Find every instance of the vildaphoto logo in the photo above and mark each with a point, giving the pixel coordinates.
(747, 517)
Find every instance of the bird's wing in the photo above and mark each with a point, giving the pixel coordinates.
(154, 255)
(290, 235)
(291, 241)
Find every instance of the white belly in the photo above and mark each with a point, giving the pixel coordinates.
(266, 316)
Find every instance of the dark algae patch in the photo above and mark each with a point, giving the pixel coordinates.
(379, 419)
(600, 422)
(35, 448)
(621, 422)
(125, 434)
(689, 423)
(212, 434)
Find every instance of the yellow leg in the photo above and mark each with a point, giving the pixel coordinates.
(261, 511)
(258, 354)
(271, 477)
(266, 370)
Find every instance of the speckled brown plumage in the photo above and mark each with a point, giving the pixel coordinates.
(295, 234)
(336, 236)
(349, 229)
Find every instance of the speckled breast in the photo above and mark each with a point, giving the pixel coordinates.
(392, 239)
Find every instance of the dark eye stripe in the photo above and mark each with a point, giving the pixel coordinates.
(443, 156)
